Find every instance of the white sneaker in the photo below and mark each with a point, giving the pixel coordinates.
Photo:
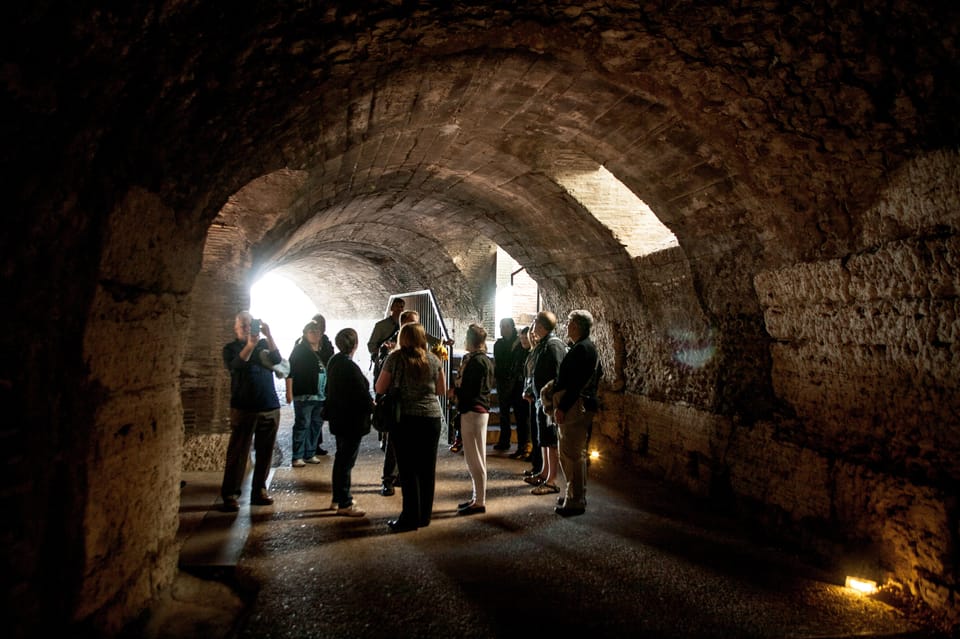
(313, 460)
(298, 463)
(353, 510)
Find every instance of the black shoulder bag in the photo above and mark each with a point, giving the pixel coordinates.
(386, 413)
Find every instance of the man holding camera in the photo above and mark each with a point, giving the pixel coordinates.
(254, 409)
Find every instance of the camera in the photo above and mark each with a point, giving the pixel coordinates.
(255, 327)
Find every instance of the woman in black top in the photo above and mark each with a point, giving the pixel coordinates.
(348, 409)
(305, 390)
(473, 401)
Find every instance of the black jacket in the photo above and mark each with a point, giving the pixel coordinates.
(305, 367)
(349, 403)
(473, 391)
(251, 384)
(547, 357)
(520, 355)
(578, 375)
(326, 350)
(503, 355)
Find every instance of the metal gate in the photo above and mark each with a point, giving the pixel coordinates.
(425, 304)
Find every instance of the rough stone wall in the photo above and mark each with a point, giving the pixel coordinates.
(866, 346)
(866, 353)
(861, 465)
(133, 347)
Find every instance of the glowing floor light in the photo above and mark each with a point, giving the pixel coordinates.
(594, 455)
(863, 586)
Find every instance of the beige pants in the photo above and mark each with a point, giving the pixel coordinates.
(573, 454)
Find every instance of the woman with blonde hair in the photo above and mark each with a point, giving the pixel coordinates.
(419, 375)
(473, 401)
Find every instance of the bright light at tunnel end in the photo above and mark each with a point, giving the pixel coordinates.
(861, 585)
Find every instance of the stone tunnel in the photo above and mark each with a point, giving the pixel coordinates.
(792, 354)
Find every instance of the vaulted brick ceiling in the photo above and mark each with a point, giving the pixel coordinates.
(369, 145)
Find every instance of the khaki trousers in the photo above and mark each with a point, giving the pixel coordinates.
(573, 434)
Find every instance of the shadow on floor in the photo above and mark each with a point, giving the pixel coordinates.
(641, 562)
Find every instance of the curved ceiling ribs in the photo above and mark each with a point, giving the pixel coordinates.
(469, 146)
(699, 122)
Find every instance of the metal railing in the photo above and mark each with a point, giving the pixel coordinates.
(425, 304)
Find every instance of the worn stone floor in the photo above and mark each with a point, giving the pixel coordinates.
(641, 562)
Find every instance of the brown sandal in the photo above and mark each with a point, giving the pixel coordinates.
(545, 489)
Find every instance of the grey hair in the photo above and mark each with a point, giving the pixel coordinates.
(583, 319)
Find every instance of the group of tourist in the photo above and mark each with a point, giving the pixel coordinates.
(548, 384)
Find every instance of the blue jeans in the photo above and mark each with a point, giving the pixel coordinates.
(307, 425)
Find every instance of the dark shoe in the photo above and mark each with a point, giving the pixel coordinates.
(472, 510)
(568, 512)
(560, 500)
(502, 447)
(262, 498)
(230, 504)
(532, 472)
(463, 505)
(523, 452)
(534, 480)
(387, 490)
(321, 451)
(397, 526)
